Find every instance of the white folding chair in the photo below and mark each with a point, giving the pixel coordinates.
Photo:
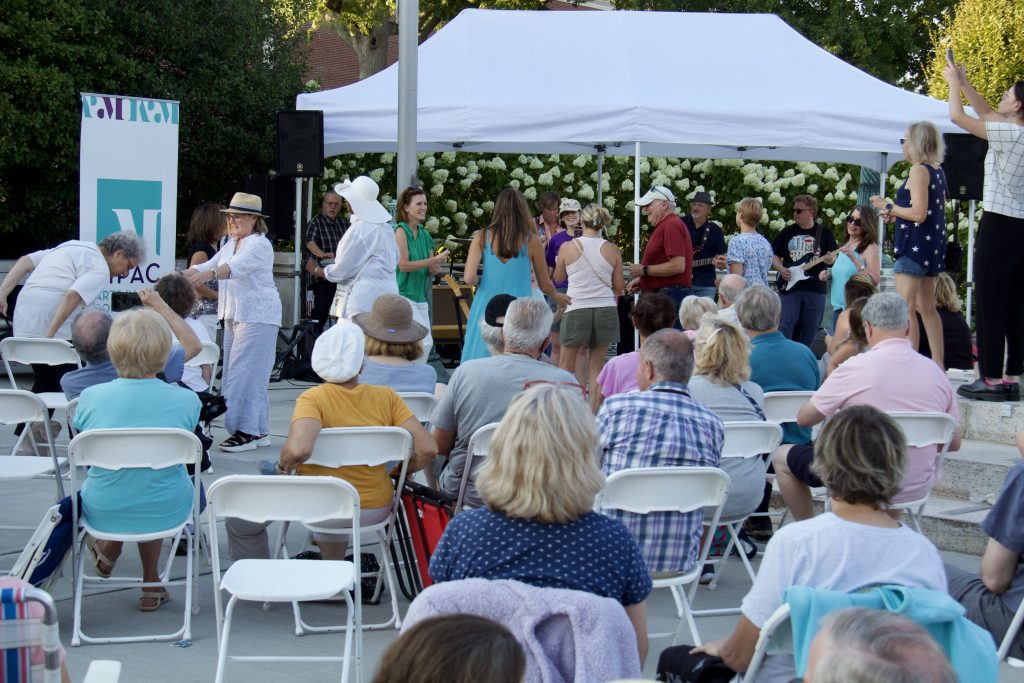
(421, 404)
(776, 638)
(304, 500)
(921, 430)
(479, 447)
(28, 350)
(643, 490)
(70, 412)
(19, 406)
(209, 355)
(369, 446)
(118, 449)
(782, 406)
(1010, 637)
(27, 632)
(742, 440)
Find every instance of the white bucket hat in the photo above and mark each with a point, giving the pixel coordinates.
(338, 353)
(361, 194)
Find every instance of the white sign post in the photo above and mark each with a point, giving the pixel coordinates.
(129, 181)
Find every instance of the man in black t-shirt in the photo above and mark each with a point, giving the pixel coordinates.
(803, 305)
(708, 243)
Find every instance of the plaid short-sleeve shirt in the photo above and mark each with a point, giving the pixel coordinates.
(1004, 169)
(659, 427)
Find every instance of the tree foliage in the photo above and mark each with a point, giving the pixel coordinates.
(986, 37)
(229, 63)
(889, 39)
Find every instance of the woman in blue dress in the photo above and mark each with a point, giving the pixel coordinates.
(136, 500)
(920, 235)
(508, 247)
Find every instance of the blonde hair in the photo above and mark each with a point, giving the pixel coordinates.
(945, 293)
(860, 455)
(543, 461)
(924, 143)
(692, 308)
(377, 347)
(749, 210)
(595, 217)
(139, 343)
(723, 352)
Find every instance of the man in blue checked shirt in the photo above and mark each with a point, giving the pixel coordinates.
(660, 425)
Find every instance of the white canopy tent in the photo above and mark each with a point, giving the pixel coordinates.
(631, 83)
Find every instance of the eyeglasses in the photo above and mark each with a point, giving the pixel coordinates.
(854, 221)
(567, 385)
(237, 217)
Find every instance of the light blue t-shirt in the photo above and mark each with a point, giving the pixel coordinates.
(137, 500)
(401, 378)
(842, 270)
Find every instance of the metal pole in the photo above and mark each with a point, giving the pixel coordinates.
(972, 206)
(881, 193)
(636, 222)
(298, 252)
(600, 176)
(408, 43)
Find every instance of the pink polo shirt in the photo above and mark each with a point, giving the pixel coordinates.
(619, 374)
(891, 376)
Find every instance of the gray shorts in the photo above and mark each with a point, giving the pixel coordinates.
(591, 327)
(984, 608)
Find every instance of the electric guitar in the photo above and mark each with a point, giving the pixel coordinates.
(798, 273)
(453, 285)
(703, 262)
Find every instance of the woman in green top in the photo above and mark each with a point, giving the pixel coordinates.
(416, 260)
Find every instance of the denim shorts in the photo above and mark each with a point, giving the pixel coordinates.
(908, 266)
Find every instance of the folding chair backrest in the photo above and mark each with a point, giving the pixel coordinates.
(134, 448)
(345, 446)
(1011, 635)
(479, 447)
(782, 406)
(29, 350)
(776, 638)
(70, 411)
(420, 403)
(926, 429)
(18, 405)
(665, 489)
(209, 355)
(20, 632)
(750, 439)
(306, 500)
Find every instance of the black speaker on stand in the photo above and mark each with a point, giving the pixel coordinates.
(300, 144)
(278, 195)
(964, 165)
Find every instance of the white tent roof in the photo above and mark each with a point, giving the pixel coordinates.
(680, 84)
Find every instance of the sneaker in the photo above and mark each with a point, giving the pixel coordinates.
(980, 390)
(267, 468)
(263, 440)
(749, 548)
(239, 441)
(707, 575)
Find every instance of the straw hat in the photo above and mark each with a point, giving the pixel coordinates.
(245, 204)
(390, 320)
(361, 194)
(338, 352)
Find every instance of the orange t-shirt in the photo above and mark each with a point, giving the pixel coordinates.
(362, 406)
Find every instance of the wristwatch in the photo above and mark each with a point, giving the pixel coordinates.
(645, 270)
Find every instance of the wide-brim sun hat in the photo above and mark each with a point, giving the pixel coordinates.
(361, 195)
(338, 352)
(246, 205)
(390, 320)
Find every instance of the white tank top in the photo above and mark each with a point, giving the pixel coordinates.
(590, 276)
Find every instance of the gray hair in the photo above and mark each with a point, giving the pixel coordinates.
(492, 337)
(691, 310)
(874, 646)
(886, 311)
(670, 352)
(128, 243)
(731, 286)
(527, 324)
(89, 335)
(758, 308)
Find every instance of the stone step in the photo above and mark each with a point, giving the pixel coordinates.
(976, 472)
(984, 420)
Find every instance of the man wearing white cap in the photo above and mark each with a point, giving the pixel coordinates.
(666, 266)
(368, 254)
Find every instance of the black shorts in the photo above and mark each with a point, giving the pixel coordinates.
(799, 461)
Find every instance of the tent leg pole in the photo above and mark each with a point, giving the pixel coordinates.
(298, 252)
(600, 175)
(636, 221)
(882, 170)
(972, 206)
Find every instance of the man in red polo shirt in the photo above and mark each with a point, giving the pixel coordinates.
(666, 266)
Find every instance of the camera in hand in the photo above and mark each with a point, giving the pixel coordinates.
(123, 301)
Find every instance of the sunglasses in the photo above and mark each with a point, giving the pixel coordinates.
(800, 210)
(903, 141)
(561, 385)
(854, 221)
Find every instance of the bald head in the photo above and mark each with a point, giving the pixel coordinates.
(729, 289)
(89, 335)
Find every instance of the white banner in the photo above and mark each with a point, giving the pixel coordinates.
(129, 180)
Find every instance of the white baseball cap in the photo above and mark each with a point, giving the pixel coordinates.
(656, 192)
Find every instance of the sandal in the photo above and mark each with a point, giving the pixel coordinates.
(239, 441)
(158, 595)
(99, 559)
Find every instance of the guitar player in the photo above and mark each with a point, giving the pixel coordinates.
(708, 243)
(805, 239)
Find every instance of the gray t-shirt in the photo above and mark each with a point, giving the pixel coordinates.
(747, 474)
(479, 393)
(1003, 524)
